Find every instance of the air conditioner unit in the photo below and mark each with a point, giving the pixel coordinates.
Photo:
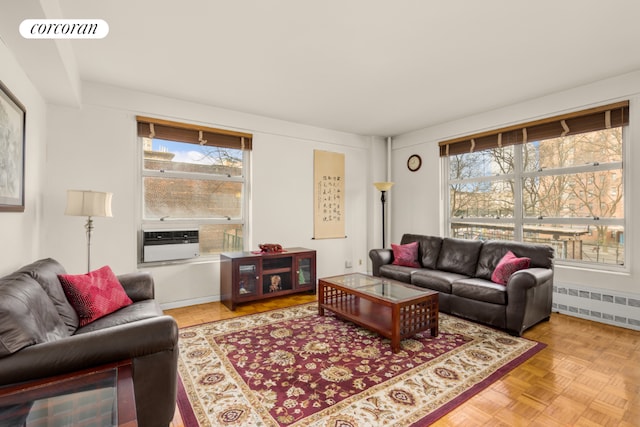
(168, 245)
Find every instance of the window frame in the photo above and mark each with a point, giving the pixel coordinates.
(145, 224)
(520, 221)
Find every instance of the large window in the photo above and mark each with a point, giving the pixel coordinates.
(562, 187)
(195, 178)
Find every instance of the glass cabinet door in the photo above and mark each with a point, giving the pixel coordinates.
(248, 279)
(304, 271)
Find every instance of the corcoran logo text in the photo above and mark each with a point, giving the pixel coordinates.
(64, 29)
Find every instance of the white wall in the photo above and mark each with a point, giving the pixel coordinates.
(95, 147)
(20, 231)
(423, 192)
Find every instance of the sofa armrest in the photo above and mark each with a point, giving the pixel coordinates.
(380, 257)
(138, 285)
(529, 295)
(91, 349)
(524, 279)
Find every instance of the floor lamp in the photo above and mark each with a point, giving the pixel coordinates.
(383, 187)
(89, 204)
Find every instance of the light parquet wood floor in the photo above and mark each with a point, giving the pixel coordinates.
(588, 375)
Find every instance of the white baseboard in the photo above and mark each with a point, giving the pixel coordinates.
(188, 302)
(599, 305)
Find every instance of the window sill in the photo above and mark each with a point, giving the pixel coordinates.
(623, 271)
(208, 259)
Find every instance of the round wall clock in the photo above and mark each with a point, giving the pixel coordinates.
(414, 162)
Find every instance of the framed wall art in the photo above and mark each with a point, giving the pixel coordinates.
(12, 141)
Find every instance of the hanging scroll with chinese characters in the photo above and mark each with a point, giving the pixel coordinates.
(328, 200)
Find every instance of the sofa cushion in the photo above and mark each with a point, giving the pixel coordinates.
(139, 310)
(397, 272)
(406, 255)
(435, 279)
(45, 272)
(27, 315)
(428, 248)
(94, 294)
(480, 290)
(508, 265)
(459, 256)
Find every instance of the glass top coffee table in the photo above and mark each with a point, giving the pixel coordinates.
(98, 397)
(393, 309)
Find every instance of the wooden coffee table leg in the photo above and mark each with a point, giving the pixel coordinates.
(395, 344)
(395, 328)
(434, 316)
(320, 299)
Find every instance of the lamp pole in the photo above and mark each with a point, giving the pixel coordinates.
(383, 187)
(382, 199)
(89, 227)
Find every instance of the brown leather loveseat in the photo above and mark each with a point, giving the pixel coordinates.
(461, 271)
(40, 337)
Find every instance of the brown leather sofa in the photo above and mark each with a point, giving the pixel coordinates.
(460, 270)
(40, 337)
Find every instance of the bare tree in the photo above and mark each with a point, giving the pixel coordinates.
(561, 190)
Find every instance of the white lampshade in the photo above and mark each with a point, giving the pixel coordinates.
(383, 186)
(88, 203)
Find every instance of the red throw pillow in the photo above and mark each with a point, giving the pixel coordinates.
(95, 294)
(508, 265)
(406, 255)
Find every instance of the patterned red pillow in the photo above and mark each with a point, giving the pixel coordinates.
(508, 265)
(406, 255)
(95, 294)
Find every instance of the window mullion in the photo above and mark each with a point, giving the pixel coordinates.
(191, 175)
(573, 170)
(518, 208)
(446, 196)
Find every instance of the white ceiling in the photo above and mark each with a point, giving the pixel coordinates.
(370, 67)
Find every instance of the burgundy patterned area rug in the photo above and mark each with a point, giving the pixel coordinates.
(291, 367)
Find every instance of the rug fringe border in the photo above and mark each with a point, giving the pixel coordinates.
(184, 406)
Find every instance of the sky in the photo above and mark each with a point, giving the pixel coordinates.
(185, 152)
